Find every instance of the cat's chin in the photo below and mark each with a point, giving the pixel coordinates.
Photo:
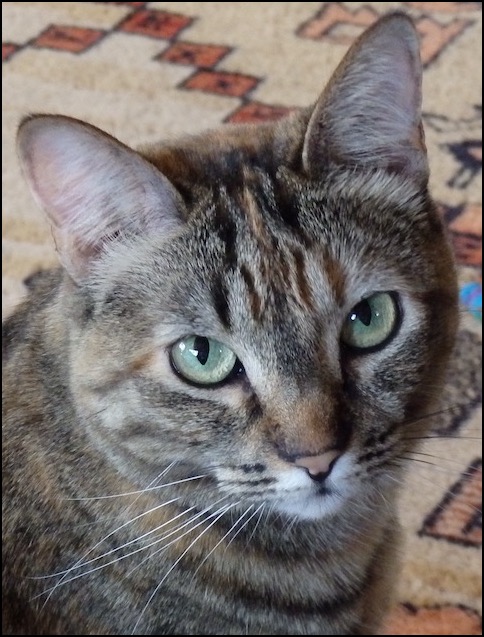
(311, 506)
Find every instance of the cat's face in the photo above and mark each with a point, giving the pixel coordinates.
(245, 343)
(280, 330)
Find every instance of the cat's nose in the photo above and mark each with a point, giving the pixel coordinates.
(319, 467)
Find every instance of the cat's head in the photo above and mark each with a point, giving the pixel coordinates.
(270, 306)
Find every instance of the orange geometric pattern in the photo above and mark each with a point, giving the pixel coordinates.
(8, 49)
(252, 112)
(334, 20)
(465, 225)
(467, 248)
(458, 517)
(128, 4)
(435, 37)
(406, 619)
(221, 83)
(155, 24)
(66, 38)
(445, 7)
(190, 54)
(468, 219)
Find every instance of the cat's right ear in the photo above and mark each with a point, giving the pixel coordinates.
(93, 189)
(369, 114)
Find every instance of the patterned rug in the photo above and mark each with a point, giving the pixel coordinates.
(147, 70)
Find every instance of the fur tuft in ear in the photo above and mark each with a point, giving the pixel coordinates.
(370, 112)
(92, 188)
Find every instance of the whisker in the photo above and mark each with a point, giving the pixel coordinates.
(122, 557)
(64, 581)
(160, 583)
(81, 560)
(122, 546)
(141, 491)
(440, 412)
(456, 436)
(262, 507)
(430, 455)
(118, 559)
(222, 539)
(290, 525)
(176, 530)
(150, 484)
(435, 467)
(99, 520)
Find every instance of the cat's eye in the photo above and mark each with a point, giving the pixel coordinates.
(203, 361)
(372, 322)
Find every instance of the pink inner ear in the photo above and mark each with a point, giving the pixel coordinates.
(370, 113)
(92, 188)
(63, 167)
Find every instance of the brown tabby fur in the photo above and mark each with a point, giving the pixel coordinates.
(265, 238)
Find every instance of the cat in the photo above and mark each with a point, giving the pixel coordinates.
(208, 408)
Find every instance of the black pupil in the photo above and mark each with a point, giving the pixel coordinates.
(363, 312)
(202, 347)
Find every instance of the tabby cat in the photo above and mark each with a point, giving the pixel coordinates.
(208, 408)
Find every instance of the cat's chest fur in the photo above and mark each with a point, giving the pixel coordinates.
(208, 408)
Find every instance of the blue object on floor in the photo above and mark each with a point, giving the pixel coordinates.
(471, 298)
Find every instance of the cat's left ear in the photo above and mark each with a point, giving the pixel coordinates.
(93, 189)
(370, 112)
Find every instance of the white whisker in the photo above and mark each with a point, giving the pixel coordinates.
(141, 491)
(262, 507)
(259, 508)
(453, 461)
(222, 539)
(175, 530)
(81, 560)
(160, 583)
(118, 559)
(122, 546)
(125, 511)
(435, 468)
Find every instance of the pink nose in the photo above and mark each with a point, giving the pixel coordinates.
(318, 466)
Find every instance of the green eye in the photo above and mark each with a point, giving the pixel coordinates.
(371, 322)
(202, 360)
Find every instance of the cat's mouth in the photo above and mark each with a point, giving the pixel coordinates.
(300, 494)
(323, 490)
(310, 504)
(297, 495)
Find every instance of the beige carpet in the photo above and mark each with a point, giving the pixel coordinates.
(145, 70)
